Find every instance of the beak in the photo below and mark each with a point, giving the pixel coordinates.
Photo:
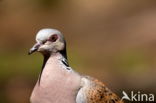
(34, 48)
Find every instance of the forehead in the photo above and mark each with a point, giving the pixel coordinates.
(44, 34)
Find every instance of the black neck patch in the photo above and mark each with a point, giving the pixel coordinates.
(65, 62)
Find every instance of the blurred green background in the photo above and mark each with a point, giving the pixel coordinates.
(112, 40)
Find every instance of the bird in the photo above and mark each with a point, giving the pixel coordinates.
(58, 82)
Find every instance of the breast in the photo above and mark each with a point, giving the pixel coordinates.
(57, 85)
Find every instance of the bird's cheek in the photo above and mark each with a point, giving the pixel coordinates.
(43, 48)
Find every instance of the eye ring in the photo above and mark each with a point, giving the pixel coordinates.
(53, 38)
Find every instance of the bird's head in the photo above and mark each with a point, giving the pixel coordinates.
(48, 41)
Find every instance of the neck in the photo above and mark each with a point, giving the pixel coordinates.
(56, 55)
(59, 55)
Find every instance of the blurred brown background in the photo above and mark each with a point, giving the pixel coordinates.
(112, 40)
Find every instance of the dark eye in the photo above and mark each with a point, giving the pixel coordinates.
(53, 38)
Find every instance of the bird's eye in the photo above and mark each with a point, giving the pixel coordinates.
(53, 38)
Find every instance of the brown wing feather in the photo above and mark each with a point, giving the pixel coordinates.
(99, 93)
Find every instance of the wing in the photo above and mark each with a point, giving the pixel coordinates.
(94, 91)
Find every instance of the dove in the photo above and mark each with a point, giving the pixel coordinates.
(58, 82)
